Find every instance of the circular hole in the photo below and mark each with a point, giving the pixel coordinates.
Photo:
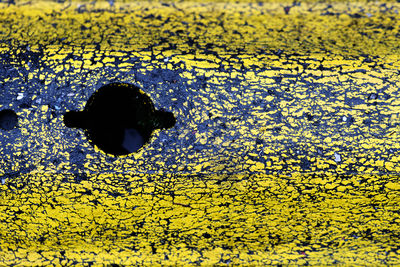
(8, 119)
(119, 119)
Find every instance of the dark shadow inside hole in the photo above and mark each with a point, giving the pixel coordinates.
(8, 119)
(119, 119)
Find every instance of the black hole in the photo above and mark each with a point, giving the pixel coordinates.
(119, 118)
(8, 119)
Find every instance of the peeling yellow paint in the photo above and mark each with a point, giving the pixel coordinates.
(285, 149)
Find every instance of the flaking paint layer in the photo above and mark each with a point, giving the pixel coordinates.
(285, 149)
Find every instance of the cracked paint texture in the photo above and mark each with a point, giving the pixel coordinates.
(285, 149)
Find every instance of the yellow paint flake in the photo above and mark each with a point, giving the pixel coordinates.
(393, 186)
(45, 108)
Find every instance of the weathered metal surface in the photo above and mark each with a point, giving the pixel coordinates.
(285, 149)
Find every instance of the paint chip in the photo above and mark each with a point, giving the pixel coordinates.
(337, 157)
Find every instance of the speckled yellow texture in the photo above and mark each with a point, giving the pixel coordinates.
(187, 219)
(286, 148)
